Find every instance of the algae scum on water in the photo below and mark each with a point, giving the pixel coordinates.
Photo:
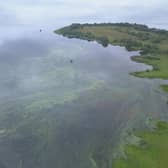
(153, 46)
(66, 103)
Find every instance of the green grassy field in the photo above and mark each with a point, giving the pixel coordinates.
(153, 43)
(160, 67)
(164, 87)
(152, 150)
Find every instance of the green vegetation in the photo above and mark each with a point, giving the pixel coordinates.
(159, 65)
(164, 87)
(151, 151)
(151, 42)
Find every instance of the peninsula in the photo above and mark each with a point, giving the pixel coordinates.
(151, 42)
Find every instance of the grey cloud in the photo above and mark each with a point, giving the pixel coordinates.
(67, 11)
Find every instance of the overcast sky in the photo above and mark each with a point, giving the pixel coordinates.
(63, 12)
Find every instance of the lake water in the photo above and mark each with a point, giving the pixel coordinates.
(65, 102)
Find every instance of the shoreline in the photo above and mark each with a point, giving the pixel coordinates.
(153, 53)
(131, 36)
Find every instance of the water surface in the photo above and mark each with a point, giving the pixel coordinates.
(58, 113)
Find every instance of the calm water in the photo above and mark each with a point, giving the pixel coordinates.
(58, 114)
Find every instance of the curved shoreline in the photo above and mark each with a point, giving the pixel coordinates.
(134, 37)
